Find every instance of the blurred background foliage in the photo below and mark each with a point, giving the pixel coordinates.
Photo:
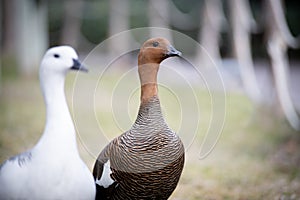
(95, 21)
(254, 43)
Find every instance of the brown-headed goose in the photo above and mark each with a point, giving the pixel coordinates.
(146, 161)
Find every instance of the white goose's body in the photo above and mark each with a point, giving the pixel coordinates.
(53, 168)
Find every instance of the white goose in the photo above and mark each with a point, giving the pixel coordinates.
(52, 169)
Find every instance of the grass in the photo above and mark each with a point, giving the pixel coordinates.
(256, 157)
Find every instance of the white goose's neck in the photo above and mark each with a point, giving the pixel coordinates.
(59, 132)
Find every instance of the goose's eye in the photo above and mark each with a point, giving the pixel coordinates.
(56, 56)
(155, 44)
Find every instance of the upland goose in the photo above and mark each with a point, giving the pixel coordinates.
(146, 161)
(52, 169)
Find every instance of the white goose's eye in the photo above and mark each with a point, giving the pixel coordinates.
(56, 55)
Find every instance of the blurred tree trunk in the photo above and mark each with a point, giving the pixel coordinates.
(1, 43)
(72, 23)
(242, 22)
(212, 18)
(9, 27)
(279, 38)
(159, 16)
(118, 22)
(31, 34)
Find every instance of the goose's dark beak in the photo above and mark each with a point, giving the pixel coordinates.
(78, 66)
(173, 52)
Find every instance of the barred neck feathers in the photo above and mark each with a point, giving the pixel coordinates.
(150, 113)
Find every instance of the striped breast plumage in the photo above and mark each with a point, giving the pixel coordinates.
(146, 160)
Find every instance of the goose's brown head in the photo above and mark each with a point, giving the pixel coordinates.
(155, 50)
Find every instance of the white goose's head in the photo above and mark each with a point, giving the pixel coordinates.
(59, 60)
